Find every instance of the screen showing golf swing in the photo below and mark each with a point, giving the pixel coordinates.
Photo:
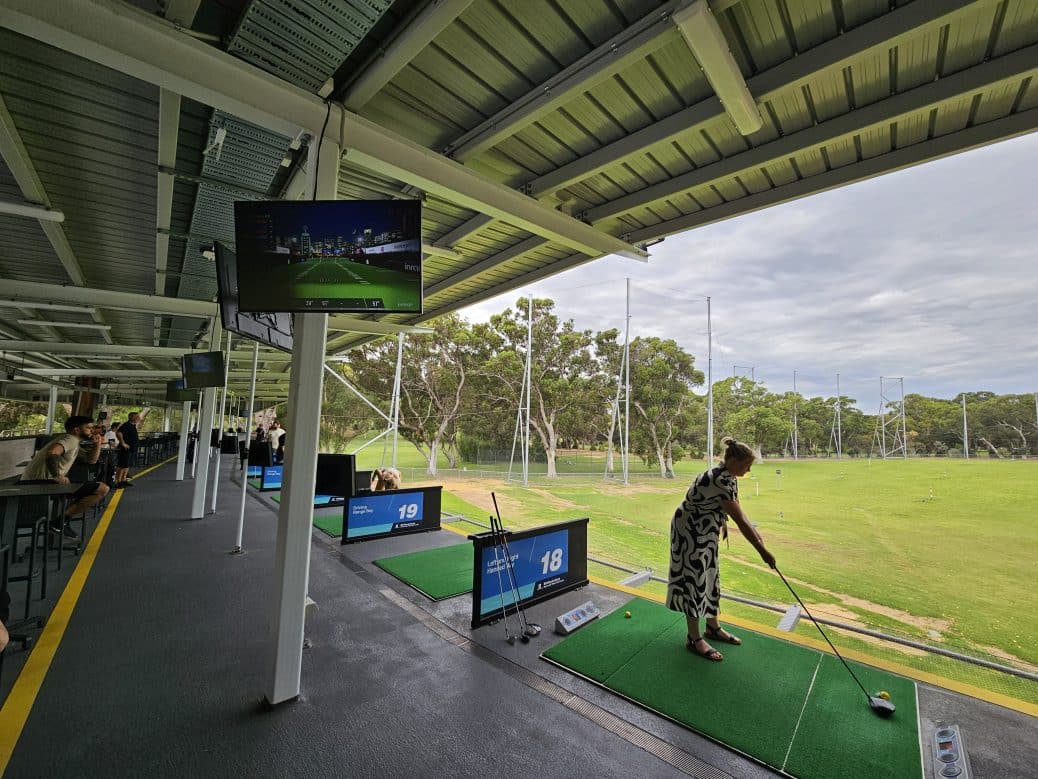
(346, 256)
(393, 512)
(543, 562)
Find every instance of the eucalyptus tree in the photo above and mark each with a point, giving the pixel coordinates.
(568, 386)
(662, 377)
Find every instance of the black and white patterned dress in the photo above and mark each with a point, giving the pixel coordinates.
(694, 586)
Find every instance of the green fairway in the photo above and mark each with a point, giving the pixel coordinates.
(341, 278)
(783, 704)
(438, 573)
(863, 542)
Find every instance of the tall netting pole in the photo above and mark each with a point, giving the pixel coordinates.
(709, 387)
(965, 431)
(529, 390)
(397, 393)
(626, 454)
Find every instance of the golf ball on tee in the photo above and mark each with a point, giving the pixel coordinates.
(884, 695)
(627, 614)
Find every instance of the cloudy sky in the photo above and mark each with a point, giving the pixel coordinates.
(930, 274)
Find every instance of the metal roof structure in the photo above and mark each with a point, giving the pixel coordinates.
(541, 134)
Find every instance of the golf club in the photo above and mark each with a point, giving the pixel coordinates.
(528, 628)
(881, 707)
(501, 586)
(497, 534)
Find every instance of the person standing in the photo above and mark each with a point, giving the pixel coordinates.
(275, 435)
(127, 434)
(51, 464)
(243, 446)
(694, 584)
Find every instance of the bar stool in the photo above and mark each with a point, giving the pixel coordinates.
(34, 527)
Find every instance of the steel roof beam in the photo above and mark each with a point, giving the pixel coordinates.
(124, 350)
(633, 44)
(943, 146)
(17, 158)
(104, 298)
(149, 48)
(1011, 67)
(122, 373)
(469, 227)
(884, 32)
(506, 255)
(408, 44)
(169, 128)
(32, 211)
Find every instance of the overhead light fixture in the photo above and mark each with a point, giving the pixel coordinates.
(710, 48)
(48, 323)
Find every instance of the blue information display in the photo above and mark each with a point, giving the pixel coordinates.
(545, 562)
(270, 478)
(393, 512)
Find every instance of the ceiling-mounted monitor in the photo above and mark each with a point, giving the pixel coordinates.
(203, 369)
(332, 256)
(176, 393)
(273, 329)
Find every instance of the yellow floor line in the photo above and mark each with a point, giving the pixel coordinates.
(865, 659)
(19, 703)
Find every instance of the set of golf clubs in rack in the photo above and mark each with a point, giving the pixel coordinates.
(527, 630)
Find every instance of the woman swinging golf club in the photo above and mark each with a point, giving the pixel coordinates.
(694, 586)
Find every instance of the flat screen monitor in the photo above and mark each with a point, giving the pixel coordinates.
(176, 393)
(203, 369)
(334, 256)
(361, 482)
(335, 474)
(273, 329)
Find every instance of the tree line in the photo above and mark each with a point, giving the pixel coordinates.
(461, 386)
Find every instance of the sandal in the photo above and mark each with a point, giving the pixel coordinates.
(720, 634)
(708, 654)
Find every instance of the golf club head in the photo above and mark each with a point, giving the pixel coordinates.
(532, 629)
(524, 638)
(881, 707)
(511, 640)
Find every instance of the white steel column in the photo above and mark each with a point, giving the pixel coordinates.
(245, 473)
(295, 516)
(165, 418)
(795, 415)
(185, 431)
(52, 406)
(223, 416)
(206, 412)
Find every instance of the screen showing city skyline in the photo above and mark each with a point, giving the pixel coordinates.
(352, 256)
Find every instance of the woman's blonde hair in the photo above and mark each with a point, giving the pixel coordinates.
(385, 479)
(737, 450)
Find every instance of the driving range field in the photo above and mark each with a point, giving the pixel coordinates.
(944, 552)
(343, 279)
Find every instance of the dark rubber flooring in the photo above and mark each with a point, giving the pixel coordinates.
(162, 671)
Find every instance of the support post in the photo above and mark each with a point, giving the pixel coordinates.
(206, 413)
(223, 416)
(52, 407)
(185, 431)
(245, 473)
(627, 389)
(709, 388)
(397, 394)
(965, 431)
(529, 390)
(295, 516)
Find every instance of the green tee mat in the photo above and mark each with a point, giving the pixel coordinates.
(254, 483)
(330, 523)
(787, 706)
(437, 573)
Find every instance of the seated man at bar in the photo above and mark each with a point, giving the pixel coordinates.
(52, 463)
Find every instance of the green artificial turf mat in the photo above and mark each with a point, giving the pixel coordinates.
(330, 523)
(254, 483)
(751, 701)
(839, 735)
(438, 573)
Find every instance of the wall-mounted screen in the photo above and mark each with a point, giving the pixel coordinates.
(176, 393)
(274, 329)
(334, 256)
(203, 369)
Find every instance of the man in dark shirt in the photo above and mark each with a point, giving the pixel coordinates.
(127, 434)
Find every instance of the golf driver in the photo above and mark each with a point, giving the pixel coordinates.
(881, 707)
(529, 629)
(497, 534)
(501, 587)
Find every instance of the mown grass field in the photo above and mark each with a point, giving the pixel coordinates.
(942, 551)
